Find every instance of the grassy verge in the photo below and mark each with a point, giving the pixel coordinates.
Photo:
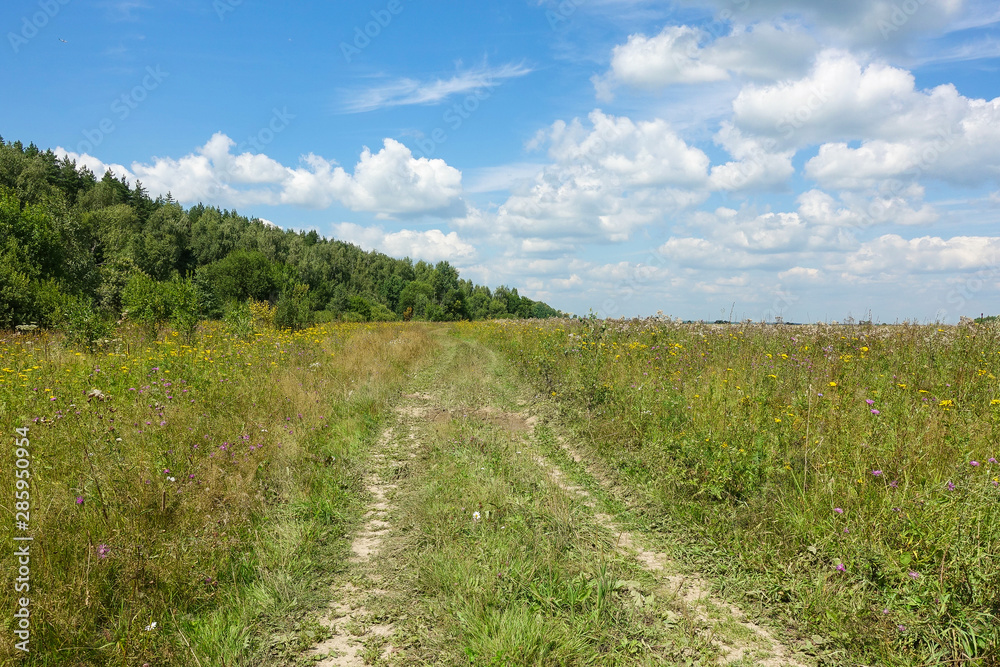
(189, 497)
(841, 477)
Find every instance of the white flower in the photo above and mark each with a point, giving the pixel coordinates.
(151, 627)
(171, 479)
(475, 516)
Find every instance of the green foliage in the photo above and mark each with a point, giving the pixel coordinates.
(360, 306)
(85, 326)
(146, 302)
(242, 275)
(239, 320)
(184, 303)
(64, 232)
(293, 309)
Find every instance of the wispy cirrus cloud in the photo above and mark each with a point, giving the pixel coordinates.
(406, 91)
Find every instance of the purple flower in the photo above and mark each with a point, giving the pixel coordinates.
(841, 567)
(79, 500)
(876, 472)
(894, 484)
(902, 628)
(876, 412)
(951, 486)
(991, 460)
(869, 401)
(838, 510)
(103, 551)
(973, 463)
(914, 575)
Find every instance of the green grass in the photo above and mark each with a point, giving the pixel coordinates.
(505, 567)
(208, 486)
(773, 455)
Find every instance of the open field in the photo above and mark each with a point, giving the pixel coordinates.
(188, 500)
(567, 492)
(842, 477)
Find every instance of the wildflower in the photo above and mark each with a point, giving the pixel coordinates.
(876, 473)
(894, 484)
(841, 567)
(833, 384)
(869, 401)
(902, 628)
(79, 500)
(838, 510)
(151, 627)
(991, 460)
(476, 516)
(876, 412)
(914, 575)
(103, 551)
(973, 463)
(951, 486)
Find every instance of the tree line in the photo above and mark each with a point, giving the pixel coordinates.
(77, 248)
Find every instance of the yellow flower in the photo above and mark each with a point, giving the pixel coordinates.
(833, 384)
(777, 419)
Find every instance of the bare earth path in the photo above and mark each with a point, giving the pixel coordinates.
(386, 610)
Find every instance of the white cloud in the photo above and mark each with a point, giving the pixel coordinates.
(404, 92)
(892, 254)
(802, 274)
(858, 23)
(683, 55)
(604, 181)
(431, 245)
(388, 183)
(903, 206)
(670, 57)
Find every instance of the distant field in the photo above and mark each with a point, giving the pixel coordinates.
(844, 477)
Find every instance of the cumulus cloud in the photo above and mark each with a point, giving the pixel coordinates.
(389, 183)
(892, 254)
(682, 54)
(904, 206)
(857, 23)
(431, 245)
(604, 180)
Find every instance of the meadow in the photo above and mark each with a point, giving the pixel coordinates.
(193, 495)
(189, 495)
(842, 478)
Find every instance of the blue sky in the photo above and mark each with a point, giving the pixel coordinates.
(813, 160)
